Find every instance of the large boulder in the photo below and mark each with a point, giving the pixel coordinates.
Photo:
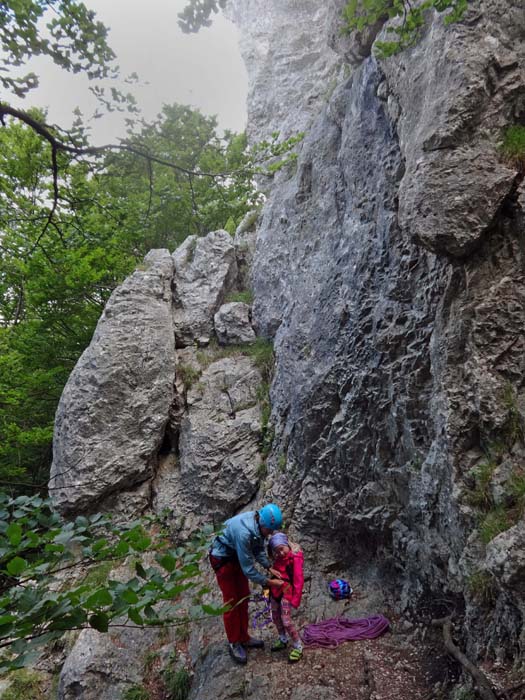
(233, 325)
(205, 270)
(112, 415)
(218, 467)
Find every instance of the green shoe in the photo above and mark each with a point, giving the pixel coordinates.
(279, 645)
(295, 655)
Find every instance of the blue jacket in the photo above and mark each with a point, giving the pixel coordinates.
(242, 537)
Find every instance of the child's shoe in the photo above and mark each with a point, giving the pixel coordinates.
(279, 645)
(295, 655)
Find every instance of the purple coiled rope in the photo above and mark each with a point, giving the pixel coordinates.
(329, 634)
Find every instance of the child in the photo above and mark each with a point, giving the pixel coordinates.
(288, 562)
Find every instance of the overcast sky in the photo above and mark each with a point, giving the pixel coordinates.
(204, 70)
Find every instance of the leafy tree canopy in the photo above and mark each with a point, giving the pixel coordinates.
(72, 37)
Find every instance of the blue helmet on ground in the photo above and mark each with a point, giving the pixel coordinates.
(270, 517)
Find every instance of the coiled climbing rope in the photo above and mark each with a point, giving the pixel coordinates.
(330, 633)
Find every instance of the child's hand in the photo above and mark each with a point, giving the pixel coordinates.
(275, 582)
(275, 573)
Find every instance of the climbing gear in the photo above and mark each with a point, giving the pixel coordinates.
(270, 516)
(278, 645)
(254, 643)
(218, 562)
(276, 540)
(238, 653)
(263, 617)
(295, 655)
(339, 589)
(328, 634)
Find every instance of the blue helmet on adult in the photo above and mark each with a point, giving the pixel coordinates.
(270, 517)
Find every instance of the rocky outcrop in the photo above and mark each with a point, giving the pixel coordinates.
(217, 468)
(389, 271)
(205, 269)
(112, 414)
(291, 68)
(233, 325)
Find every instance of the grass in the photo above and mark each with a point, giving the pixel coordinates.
(136, 692)
(183, 632)
(178, 683)
(25, 685)
(245, 297)
(261, 351)
(480, 496)
(482, 587)
(513, 147)
(513, 429)
(495, 522)
(517, 489)
(262, 470)
(188, 375)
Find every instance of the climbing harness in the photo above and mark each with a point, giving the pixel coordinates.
(262, 617)
(328, 634)
(339, 589)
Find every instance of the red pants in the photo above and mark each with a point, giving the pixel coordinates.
(234, 586)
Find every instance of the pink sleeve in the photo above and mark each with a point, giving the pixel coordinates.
(298, 579)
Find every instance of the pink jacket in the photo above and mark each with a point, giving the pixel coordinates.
(291, 569)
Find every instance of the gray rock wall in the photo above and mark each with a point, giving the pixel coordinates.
(389, 271)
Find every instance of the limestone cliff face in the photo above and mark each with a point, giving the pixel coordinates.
(390, 272)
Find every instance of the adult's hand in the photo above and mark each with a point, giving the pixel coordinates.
(275, 573)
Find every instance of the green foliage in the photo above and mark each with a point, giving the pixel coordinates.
(496, 521)
(360, 14)
(480, 496)
(245, 297)
(64, 30)
(482, 587)
(55, 278)
(178, 683)
(197, 14)
(39, 553)
(261, 351)
(24, 685)
(513, 147)
(136, 692)
(188, 375)
(513, 430)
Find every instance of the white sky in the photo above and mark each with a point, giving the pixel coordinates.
(204, 70)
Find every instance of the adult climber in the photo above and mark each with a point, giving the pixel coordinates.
(233, 554)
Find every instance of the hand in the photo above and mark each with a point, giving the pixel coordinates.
(275, 573)
(275, 582)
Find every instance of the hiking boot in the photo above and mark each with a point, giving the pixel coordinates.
(253, 643)
(279, 645)
(295, 655)
(238, 653)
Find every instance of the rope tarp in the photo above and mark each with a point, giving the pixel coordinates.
(330, 633)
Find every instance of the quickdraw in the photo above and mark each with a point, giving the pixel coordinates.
(262, 617)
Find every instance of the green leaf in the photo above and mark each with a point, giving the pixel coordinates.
(168, 562)
(16, 566)
(99, 599)
(140, 570)
(135, 616)
(14, 533)
(129, 596)
(99, 621)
